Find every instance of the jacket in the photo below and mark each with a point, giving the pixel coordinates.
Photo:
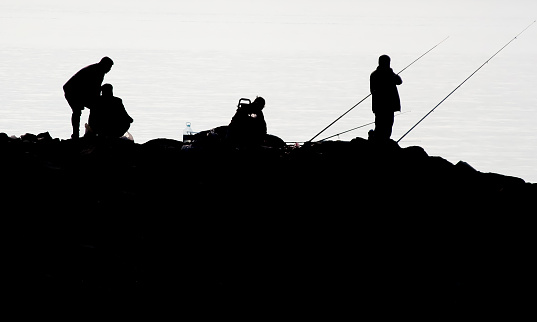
(86, 83)
(383, 85)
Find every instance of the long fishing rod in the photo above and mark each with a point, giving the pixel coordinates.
(456, 88)
(363, 99)
(355, 128)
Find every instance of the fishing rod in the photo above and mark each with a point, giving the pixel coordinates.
(456, 88)
(329, 125)
(355, 128)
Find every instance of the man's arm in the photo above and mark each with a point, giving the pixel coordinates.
(398, 80)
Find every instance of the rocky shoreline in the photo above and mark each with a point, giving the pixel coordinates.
(357, 229)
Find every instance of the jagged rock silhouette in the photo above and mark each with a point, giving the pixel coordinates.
(330, 229)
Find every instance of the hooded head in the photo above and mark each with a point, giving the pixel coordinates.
(107, 90)
(259, 102)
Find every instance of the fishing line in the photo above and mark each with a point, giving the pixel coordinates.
(356, 128)
(329, 125)
(456, 88)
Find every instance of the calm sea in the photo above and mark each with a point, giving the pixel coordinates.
(191, 61)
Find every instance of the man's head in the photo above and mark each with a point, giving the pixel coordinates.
(106, 64)
(107, 90)
(259, 102)
(384, 61)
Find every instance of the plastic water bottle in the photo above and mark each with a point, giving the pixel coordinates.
(188, 134)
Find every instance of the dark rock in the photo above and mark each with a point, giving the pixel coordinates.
(330, 229)
(28, 137)
(465, 167)
(44, 137)
(415, 153)
(3, 138)
(162, 144)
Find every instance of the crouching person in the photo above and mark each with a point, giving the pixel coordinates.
(248, 127)
(108, 117)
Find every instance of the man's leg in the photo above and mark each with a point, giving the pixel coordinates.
(75, 122)
(389, 124)
(383, 125)
(77, 108)
(380, 126)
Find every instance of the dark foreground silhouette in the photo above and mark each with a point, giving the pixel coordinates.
(107, 228)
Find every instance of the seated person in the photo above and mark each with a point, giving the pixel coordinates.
(108, 117)
(248, 126)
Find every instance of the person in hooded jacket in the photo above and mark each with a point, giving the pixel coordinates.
(383, 84)
(108, 117)
(248, 126)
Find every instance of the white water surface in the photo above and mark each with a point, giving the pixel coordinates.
(190, 61)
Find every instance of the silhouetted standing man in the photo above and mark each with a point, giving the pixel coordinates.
(84, 88)
(383, 84)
